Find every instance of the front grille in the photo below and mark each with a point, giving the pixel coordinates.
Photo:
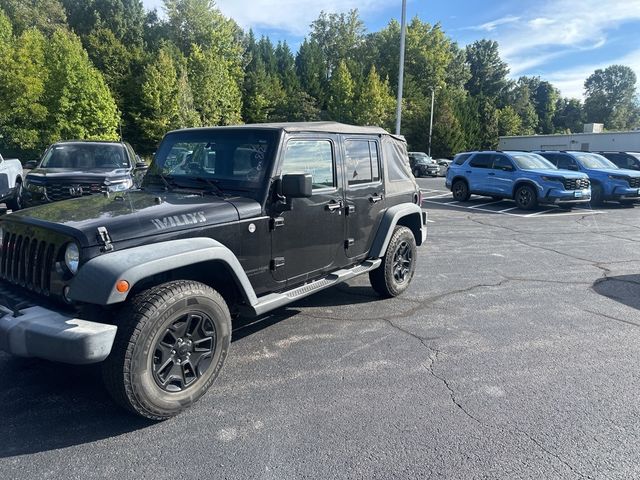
(576, 183)
(634, 182)
(64, 191)
(27, 261)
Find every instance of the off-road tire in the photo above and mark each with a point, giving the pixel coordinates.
(385, 279)
(416, 173)
(460, 191)
(129, 374)
(526, 197)
(15, 202)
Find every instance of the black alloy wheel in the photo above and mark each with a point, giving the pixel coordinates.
(460, 191)
(526, 198)
(183, 353)
(402, 262)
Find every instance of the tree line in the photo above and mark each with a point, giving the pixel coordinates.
(105, 69)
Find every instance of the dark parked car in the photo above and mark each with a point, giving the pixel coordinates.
(423, 165)
(81, 168)
(229, 220)
(628, 160)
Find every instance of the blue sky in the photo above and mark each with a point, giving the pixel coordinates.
(562, 41)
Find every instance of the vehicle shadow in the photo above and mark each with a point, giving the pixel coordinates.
(624, 289)
(47, 405)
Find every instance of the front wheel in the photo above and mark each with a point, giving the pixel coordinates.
(171, 343)
(15, 203)
(526, 197)
(398, 265)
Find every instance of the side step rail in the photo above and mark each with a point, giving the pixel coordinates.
(272, 301)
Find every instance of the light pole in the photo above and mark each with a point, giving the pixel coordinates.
(403, 33)
(433, 97)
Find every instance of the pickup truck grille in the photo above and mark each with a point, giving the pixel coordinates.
(576, 183)
(634, 182)
(64, 191)
(27, 261)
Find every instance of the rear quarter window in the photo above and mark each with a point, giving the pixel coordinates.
(461, 158)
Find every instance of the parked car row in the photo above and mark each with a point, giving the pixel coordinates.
(563, 178)
(423, 165)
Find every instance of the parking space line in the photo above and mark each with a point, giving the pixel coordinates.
(439, 196)
(507, 209)
(485, 204)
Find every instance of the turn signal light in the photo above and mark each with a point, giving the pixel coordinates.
(122, 286)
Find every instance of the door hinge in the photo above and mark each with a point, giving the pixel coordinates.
(348, 242)
(277, 262)
(104, 238)
(276, 222)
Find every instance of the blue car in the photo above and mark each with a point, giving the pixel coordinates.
(524, 177)
(608, 181)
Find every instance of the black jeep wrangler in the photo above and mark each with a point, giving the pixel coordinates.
(229, 220)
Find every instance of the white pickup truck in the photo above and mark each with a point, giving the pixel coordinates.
(11, 176)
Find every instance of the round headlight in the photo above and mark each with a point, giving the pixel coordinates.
(72, 257)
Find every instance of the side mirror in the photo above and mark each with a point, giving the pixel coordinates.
(141, 165)
(31, 164)
(507, 168)
(296, 185)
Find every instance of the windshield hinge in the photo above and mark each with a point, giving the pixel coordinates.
(104, 238)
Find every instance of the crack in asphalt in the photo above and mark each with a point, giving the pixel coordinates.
(628, 322)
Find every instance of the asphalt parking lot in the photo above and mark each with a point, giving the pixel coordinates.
(514, 354)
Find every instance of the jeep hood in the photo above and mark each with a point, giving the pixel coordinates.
(135, 214)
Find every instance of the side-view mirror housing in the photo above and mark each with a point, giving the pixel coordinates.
(507, 168)
(141, 164)
(296, 185)
(31, 164)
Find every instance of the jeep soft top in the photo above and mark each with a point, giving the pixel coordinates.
(229, 220)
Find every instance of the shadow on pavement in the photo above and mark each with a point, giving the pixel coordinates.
(624, 289)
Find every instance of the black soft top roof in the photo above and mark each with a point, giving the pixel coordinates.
(311, 127)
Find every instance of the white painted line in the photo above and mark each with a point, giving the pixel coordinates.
(536, 213)
(485, 204)
(439, 196)
(431, 221)
(507, 209)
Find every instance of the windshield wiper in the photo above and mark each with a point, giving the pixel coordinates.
(211, 183)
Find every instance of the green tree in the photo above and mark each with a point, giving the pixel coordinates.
(217, 96)
(341, 94)
(448, 136)
(509, 122)
(610, 97)
(520, 98)
(310, 65)
(374, 104)
(78, 100)
(45, 15)
(488, 71)
(545, 99)
(569, 116)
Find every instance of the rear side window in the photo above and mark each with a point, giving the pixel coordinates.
(620, 159)
(481, 160)
(361, 161)
(551, 157)
(565, 161)
(310, 156)
(461, 158)
(500, 162)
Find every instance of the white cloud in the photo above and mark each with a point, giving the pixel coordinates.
(561, 28)
(570, 81)
(291, 16)
(492, 25)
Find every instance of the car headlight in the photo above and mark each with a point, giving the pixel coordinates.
(121, 186)
(551, 179)
(34, 187)
(72, 257)
(618, 177)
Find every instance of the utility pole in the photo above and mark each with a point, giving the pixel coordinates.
(431, 121)
(403, 33)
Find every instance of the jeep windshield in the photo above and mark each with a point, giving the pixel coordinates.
(86, 156)
(595, 161)
(531, 161)
(218, 159)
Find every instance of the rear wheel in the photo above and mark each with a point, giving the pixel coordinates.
(171, 343)
(460, 191)
(394, 274)
(526, 197)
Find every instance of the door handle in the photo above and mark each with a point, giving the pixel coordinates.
(375, 198)
(333, 206)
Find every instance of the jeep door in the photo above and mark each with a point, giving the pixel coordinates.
(309, 239)
(364, 193)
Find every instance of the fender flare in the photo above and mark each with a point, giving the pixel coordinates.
(391, 217)
(96, 280)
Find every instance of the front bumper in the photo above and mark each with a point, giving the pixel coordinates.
(624, 193)
(562, 197)
(43, 333)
